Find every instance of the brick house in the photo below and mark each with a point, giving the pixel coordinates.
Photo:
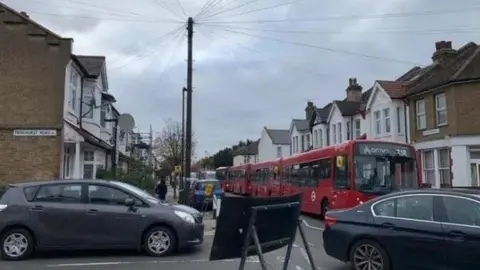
(444, 114)
(32, 83)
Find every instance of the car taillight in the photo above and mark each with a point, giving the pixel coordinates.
(329, 221)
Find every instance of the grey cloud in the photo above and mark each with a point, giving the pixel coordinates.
(239, 90)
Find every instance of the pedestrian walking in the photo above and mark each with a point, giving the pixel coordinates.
(161, 189)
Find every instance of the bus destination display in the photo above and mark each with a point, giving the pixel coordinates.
(383, 149)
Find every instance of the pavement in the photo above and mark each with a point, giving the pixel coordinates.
(194, 259)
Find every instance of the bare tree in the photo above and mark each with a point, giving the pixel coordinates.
(168, 144)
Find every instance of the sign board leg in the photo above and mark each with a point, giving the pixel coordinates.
(307, 247)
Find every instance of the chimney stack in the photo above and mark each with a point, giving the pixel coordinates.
(24, 14)
(354, 90)
(309, 110)
(443, 52)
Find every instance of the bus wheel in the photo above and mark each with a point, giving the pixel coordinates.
(324, 208)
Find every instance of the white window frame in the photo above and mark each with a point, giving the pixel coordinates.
(321, 137)
(439, 109)
(340, 137)
(88, 110)
(73, 89)
(378, 122)
(334, 133)
(358, 130)
(349, 130)
(307, 141)
(387, 123)
(420, 112)
(440, 168)
(425, 169)
(315, 139)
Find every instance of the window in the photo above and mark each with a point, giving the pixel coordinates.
(308, 142)
(62, 193)
(315, 138)
(103, 116)
(67, 162)
(73, 89)
(303, 143)
(334, 134)
(399, 119)
(89, 156)
(349, 130)
(357, 128)
(320, 132)
(386, 120)
(441, 109)
(444, 166)
(98, 194)
(429, 166)
(279, 151)
(421, 117)
(296, 144)
(322, 169)
(88, 106)
(378, 123)
(409, 207)
(462, 211)
(341, 172)
(292, 146)
(340, 139)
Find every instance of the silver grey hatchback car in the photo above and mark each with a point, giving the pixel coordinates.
(92, 214)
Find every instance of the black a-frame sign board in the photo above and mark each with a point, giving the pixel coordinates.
(252, 242)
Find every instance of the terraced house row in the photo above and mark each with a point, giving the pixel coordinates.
(54, 107)
(435, 108)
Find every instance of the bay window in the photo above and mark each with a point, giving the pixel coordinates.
(441, 109)
(386, 120)
(421, 117)
(378, 123)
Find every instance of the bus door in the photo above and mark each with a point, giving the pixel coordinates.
(297, 183)
(256, 180)
(286, 182)
(262, 189)
(341, 185)
(276, 183)
(309, 189)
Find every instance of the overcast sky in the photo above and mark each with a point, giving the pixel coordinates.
(287, 55)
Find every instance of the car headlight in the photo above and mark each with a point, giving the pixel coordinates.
(185, 216)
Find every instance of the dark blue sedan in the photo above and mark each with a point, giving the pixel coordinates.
(422, 229)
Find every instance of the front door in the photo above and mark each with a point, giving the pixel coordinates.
(341, 186)
(111, 222)
(53, 205)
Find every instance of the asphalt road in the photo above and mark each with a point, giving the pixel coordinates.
(195, 259)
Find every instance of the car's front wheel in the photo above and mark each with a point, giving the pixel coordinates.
(159, 241)
(17, 244)
(368, 254)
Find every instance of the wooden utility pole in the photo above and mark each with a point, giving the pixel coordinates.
(188, 135)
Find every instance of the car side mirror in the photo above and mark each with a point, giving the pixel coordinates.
(129, 202)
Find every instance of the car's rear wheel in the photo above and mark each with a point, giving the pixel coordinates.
(17, 244)
(368, 254)
(159, 241)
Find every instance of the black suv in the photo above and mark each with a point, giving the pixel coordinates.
(92, 214)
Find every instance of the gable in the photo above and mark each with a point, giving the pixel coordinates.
(333, 110)
(378, 96)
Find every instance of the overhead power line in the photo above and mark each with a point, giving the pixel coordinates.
(321, 47)
(357, 17)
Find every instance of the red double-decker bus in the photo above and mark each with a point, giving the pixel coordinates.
(351, 173)
(240, 178)
(265, 178)
(221, 174)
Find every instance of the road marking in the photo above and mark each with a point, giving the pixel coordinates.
(250, 259)
(298, 267)
(310, 226)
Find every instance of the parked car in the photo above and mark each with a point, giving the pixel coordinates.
(92, 214)
(202, 192)
(422, 229)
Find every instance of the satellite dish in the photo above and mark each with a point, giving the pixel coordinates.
(126, 122)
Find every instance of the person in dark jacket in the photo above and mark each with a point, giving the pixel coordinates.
(161, 189)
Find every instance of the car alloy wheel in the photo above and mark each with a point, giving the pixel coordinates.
(17, 244)
(367, 256)
(159, 241)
